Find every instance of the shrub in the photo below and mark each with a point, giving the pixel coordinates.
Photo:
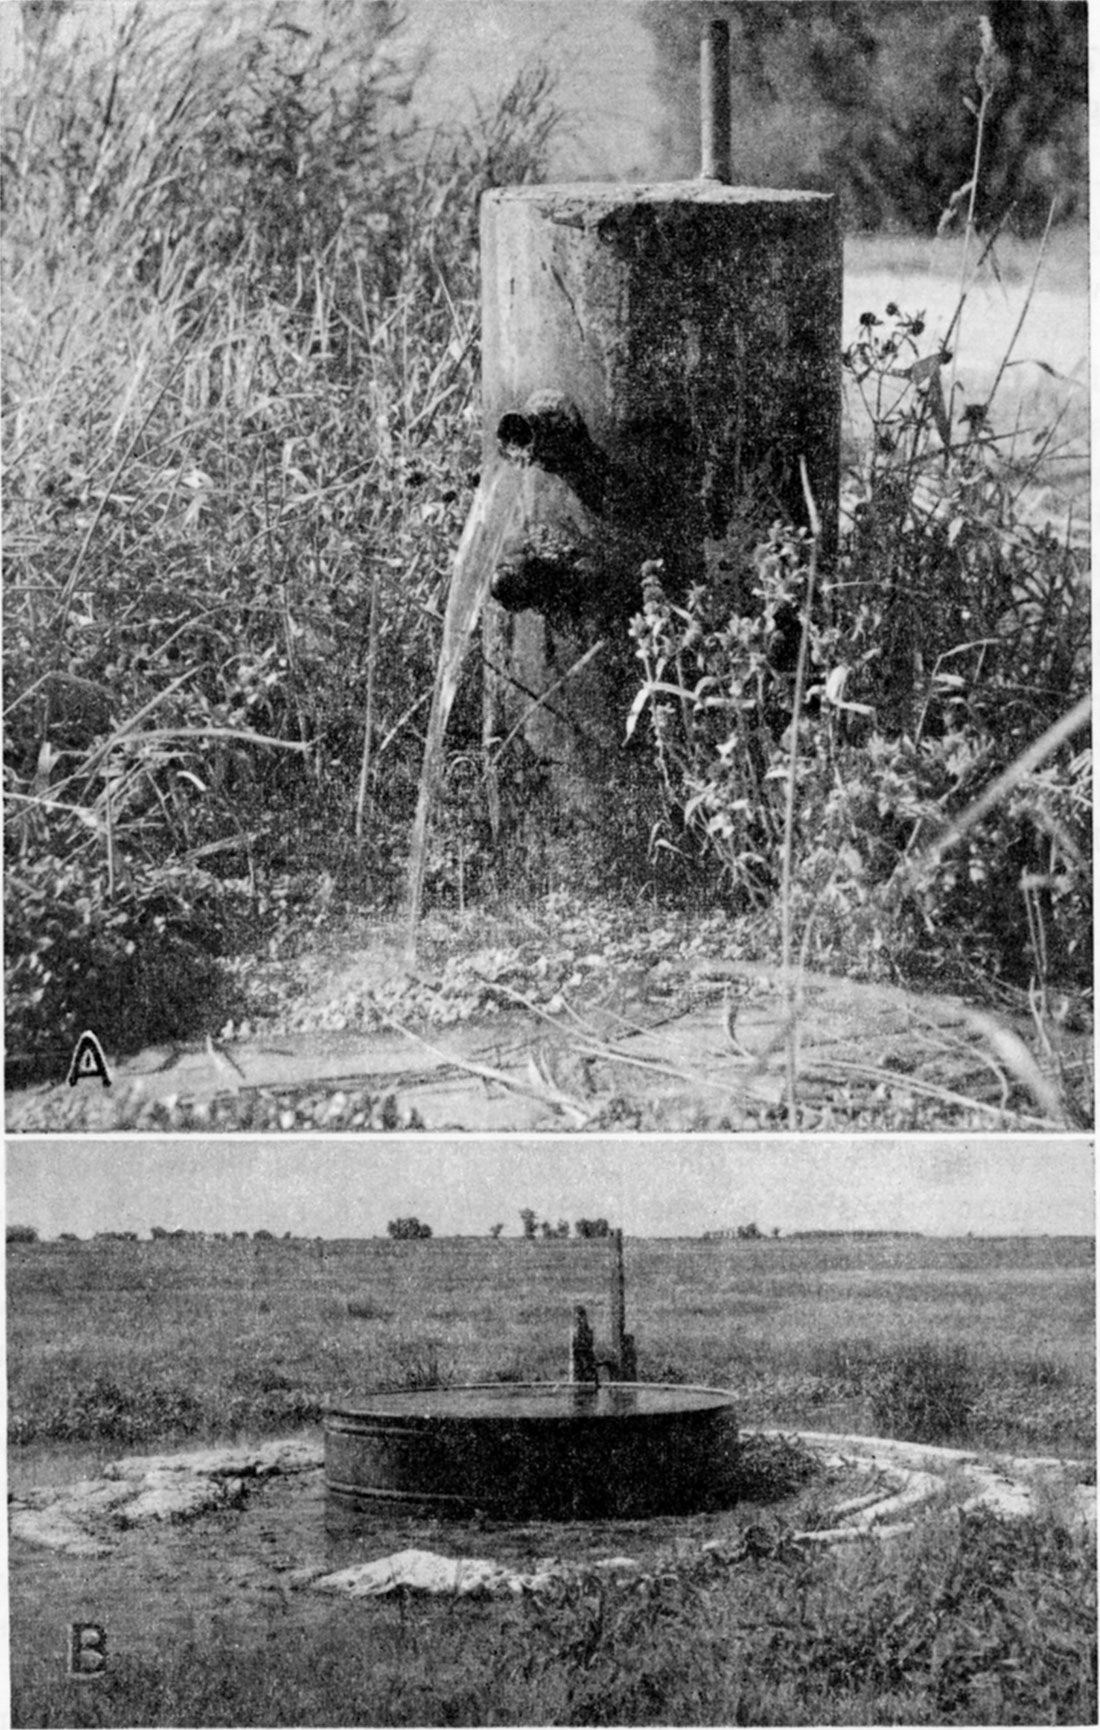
(21, 1234)
(867, 104)
(406, 1229)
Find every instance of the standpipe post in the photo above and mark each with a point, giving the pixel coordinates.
(618, 1304)
(714, 104)
(582, 1349)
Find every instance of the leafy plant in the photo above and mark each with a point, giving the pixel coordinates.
(949, 670)
(949, 635)
(866, 103)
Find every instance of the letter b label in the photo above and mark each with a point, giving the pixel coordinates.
(87, 1649)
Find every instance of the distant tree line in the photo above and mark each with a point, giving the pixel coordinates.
(159, 1232)
(533, 1227)
(823, 1233)
(751, 1232)
(878, 103)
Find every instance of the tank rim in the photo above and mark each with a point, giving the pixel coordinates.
(372, 1403)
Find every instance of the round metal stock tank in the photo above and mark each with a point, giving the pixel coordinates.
(536, 1450)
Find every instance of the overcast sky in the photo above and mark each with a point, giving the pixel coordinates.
(652, 1188)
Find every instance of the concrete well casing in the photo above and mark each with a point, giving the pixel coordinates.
(697, 328)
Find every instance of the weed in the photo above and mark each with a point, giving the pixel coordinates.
(924, 1392)
(937, 763)
(940, 1623)
(951, 636)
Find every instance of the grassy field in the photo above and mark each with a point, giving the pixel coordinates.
(115, 1346)
(138, 1343)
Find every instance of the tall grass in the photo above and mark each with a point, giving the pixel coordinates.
(239, 299)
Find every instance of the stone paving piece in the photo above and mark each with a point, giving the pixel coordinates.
(151, 1487)
(53, 1529)
(425, 1571)
(271, 1457)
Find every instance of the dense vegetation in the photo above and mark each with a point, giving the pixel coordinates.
(240, 359)
(948, 636)
(872, 101)
(241, 344)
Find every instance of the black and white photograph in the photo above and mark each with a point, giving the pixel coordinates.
(548, 877)
(545, 556)
(570, 1431)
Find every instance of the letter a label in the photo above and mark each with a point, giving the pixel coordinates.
(88, 1060)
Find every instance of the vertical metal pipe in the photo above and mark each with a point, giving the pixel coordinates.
(582, 1349)
(618, 1302)
(714, 94)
